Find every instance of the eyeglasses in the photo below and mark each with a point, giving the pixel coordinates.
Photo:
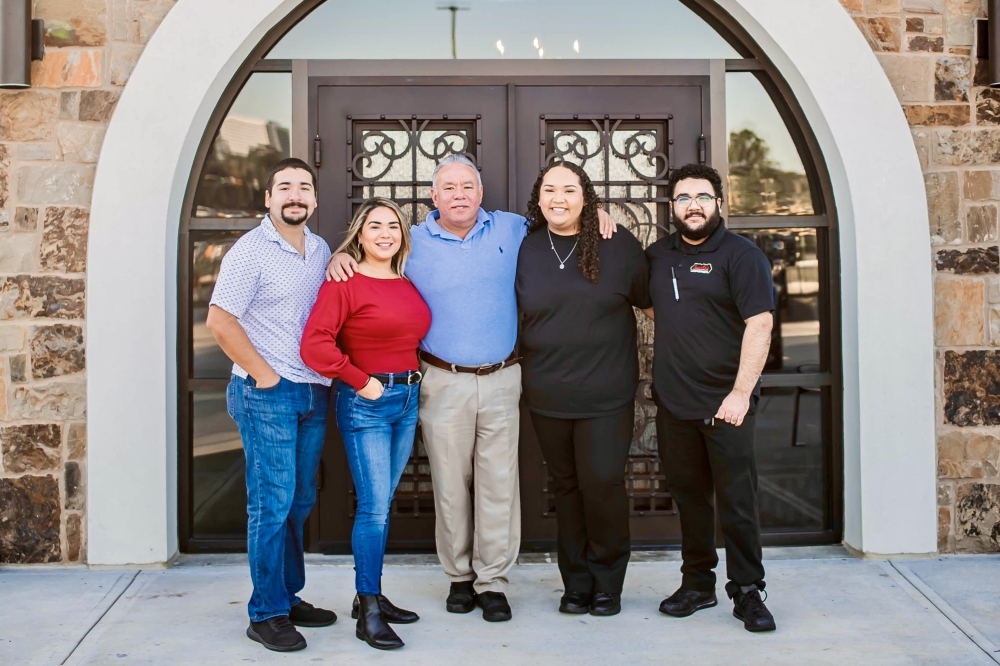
(703, 200)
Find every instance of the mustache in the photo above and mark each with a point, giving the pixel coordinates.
(293, 205)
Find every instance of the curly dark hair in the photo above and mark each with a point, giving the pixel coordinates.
(701, 171)
(590, 233)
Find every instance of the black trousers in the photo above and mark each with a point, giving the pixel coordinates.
(586, 459)
(697, 461)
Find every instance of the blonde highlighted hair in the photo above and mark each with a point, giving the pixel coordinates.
(352, 246)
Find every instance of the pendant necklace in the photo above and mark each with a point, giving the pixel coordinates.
(562, 262)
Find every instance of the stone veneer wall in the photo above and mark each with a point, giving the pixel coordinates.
(927, 50)
(50, 140)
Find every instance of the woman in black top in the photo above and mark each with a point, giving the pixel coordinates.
(576, 292)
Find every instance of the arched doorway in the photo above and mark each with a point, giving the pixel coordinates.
(153, 500)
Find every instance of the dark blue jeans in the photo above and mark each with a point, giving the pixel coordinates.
(378, 438)
(282, 428)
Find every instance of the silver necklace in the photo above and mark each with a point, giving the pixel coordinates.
(562, 262)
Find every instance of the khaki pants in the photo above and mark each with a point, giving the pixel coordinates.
(470, 428)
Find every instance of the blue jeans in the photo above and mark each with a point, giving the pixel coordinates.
(283, 428)
(378, 438)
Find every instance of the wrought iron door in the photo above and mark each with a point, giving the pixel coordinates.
(384, 138)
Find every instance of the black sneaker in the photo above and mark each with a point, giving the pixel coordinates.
(751, 609)
(304, 614)
(575, 603)
(277, 634)
(461, 598)
(605, 604)
(495, 606)
(686, 602)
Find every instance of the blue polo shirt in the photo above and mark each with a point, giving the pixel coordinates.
(469, 286)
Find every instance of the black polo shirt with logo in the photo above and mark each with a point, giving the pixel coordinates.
(699, 332)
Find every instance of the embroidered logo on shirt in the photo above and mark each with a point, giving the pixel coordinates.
(701, 268)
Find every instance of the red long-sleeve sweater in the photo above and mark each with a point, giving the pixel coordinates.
(365, 326)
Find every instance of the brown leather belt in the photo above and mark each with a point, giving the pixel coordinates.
(485, 369)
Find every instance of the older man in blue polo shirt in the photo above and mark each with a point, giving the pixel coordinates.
(463, 263)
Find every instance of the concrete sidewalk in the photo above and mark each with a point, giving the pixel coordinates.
(830, 609)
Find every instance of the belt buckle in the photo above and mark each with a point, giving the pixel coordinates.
(488, 368)
(410, 381)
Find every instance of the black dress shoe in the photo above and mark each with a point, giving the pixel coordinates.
(390, 613)
(372, 628)
(605, 604)
(277, 634)
(461, 597)
(576, 603)
(304, 614)
(751, 609)
(685, 602)
(495, 606)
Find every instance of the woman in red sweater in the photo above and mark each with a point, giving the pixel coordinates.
(364, 333)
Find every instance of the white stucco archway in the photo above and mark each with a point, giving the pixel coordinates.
(887, 303)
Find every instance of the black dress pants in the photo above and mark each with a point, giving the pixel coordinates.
(698, 460)
(586, 459)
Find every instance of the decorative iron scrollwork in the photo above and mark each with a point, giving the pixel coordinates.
(395, 156)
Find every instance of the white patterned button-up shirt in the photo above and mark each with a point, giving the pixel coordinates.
(266, 284)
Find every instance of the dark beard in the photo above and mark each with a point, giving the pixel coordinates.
(704, 232)
(294, 223)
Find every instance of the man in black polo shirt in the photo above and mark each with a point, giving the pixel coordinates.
(712, 294)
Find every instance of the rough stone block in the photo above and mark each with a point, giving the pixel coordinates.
(19, 253)
(977, 517)
(123, 60)
(933, 25)
(28, 115)
(76, 441)
(914, 24)
(952, 78)
(910, 76)
(883, 6)
(922, 43)
(883, 33)
(922, 142)
(74, 537)
(988, 107)
(967, 8)
(968, 455)
(978, 185)
(943, 206)
(945, 494)
(73, 22)
(76, 494)
(148, 16)
(4, 176)
(853, 6)
(974, 261)
(35, 152)
(924, 6)
(25, 219)
(11, 338)
(67, 69)
(952, 115)
(981, 224)
(944, 524)
(64, 242)
(958, 312)
(960, 30)
(52, 400)
(31, 448)
(966, 147)
(972, 388)
(51, 297)
(994, 290)
(98, 105)
(19, 369)
(80, 143)
(69, 105)
(29, 520)
(55, 184)
(56, 350)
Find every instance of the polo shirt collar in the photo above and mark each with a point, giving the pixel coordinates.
(710, 245)
(271, 234)
(482, 219)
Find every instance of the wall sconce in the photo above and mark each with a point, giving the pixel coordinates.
(21, 41)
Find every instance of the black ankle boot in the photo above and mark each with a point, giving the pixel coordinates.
(372, 629)
(390, 612)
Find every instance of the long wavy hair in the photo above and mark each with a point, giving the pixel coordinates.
(590, 232)
(352, 246)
